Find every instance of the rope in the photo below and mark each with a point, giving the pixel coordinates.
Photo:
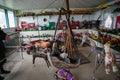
(58, 22)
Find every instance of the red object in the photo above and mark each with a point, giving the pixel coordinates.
(105, 39)
(32, 25)
(75, 24)
(62, 24)
(118, 22)
(25, 26)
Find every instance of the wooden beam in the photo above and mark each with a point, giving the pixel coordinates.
(67, 5)
(69, 44)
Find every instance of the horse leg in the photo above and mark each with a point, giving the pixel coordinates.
(34, 59)
(114, 67)
(47, 61)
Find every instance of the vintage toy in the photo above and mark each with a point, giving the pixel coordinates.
(64, 74)
(109, 59)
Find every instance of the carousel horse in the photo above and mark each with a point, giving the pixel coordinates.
(38, 49)
(109, 59)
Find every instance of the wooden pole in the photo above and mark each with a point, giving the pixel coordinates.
(69, 45)
(68, 16)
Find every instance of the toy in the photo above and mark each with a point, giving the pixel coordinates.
(38, 48)
(64, 74)
(37, 53)
(75, 24)
(26, 26)
(109, 59)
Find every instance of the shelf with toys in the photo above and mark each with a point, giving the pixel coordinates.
(45, 34)
(93, 34)
(103, 37)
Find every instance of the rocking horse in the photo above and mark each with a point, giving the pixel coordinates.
(38, 49)
(37, 52)
(105, 57)
(109, 59)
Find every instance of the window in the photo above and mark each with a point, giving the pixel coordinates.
(108, 22)
(11, 19)
(2, 19)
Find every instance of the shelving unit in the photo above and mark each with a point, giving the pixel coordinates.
(36, 35)
(100, 44)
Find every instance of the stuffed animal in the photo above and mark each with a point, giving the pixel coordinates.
(109, 59)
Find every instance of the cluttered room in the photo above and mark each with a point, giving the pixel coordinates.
(59, 40)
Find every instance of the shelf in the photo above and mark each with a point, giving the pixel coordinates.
(114, 35)
(51, 32)
(98, 41)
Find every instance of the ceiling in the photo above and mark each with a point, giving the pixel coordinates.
(48, 4)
